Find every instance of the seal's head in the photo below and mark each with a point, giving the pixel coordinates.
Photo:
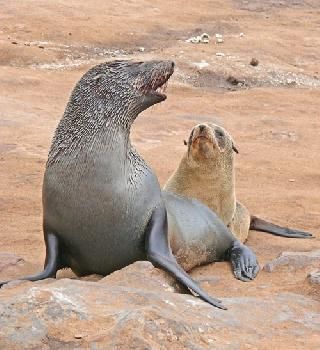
(209, 141)
(108, 98)
(124, 88)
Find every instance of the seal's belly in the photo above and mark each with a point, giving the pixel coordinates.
(101, 225)
(197, 235)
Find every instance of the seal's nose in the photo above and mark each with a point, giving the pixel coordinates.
(201, 127)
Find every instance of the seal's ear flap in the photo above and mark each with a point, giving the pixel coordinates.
(235, 148)
(185, 142)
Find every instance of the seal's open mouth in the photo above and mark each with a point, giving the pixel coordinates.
(157, 83)
(157, 87)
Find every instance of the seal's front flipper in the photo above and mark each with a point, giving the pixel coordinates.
(244, 262)
(51, 263)
(159, 253)
(265, 226)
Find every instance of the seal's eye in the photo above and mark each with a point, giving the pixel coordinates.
(219, 133)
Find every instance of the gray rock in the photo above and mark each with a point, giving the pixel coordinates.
(314, 277)
(135, 309)
(294, 261)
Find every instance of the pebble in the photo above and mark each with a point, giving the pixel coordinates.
(202, 64)
(254, 62)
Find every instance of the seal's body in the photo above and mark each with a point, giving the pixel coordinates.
(206, 172)
(197, 236)
(102, 205)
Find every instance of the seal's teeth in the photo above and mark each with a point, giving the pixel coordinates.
(162, 89)
(159, 90)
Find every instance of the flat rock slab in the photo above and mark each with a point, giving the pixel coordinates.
(77, 314)
(294, 261)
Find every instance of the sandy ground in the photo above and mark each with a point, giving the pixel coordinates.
(273, 114)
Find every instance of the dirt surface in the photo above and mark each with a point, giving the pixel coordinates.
(272, 113)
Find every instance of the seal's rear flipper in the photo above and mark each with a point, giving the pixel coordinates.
(265, 226)
(51, 263)
(159, 253)
(244, 262)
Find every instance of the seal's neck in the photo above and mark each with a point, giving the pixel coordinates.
(86, 132)
(217, 178)
(213, 183)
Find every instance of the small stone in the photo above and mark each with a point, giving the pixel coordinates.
(203, 38)
(14, 42)
(69, 33)
(41, 47)
(220, 54)
(241, 35)
(219, 38)
(314, 277)
(254, 62)
(291, 82)
(234, 81)
(141, 49)
(78, 336)
(292, 180)
(202, 64)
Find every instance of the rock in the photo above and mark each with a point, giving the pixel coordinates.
(203, 38)
(202, 64)
(219, 38)
(220, 54)
(133, 309)
(234, 81)
(294, 261)
(254, 62)
(8, 260)
(134, 276)
(314, 277)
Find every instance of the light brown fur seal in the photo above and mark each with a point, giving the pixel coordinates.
(206, 172)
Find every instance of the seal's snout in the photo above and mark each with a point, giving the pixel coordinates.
(152, 81)
(201, 133)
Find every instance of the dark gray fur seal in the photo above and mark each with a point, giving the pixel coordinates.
(102, 204)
